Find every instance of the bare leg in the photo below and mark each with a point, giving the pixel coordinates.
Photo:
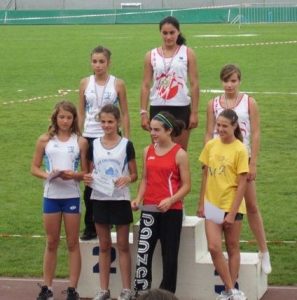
(214, 240)
(254, 216)
(103, 232)
(232, 235)
(52, 226)
(183, 139)
(124, 255)
(72, 223)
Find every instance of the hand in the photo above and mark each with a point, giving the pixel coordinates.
(145, 122)
(193, 121)
(88, 179)
(252, 172)
(200, 211)
(122, 181)
(135, 205)
(67, 175)
(229, 219)
(164, 205)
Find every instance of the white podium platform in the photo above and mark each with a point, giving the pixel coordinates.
(197, 279)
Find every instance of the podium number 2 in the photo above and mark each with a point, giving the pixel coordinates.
(96, 252)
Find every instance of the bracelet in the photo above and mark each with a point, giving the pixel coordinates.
(143, 112)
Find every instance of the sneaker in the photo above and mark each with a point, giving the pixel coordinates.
(232, 294)
(265, 262)
(88, 235)
(45, 293)
(72, 294)
(102, 295)
(126, 294)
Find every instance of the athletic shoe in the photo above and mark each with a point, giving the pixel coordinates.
(45, 293)
(102, 295)
(126, 294)
(72, 294)
(265, 262)
(88, 235)
(232, 294)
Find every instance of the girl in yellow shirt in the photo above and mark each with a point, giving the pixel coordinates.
(225, 168)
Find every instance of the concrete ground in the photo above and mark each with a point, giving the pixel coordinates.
(27, 289)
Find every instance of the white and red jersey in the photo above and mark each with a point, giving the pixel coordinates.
(96, 96)
(170, 78)
(243, 112)
(162, 176)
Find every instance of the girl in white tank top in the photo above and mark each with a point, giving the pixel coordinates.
(61, 148)
(249, 120)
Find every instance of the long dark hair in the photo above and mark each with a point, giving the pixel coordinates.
(231, 115)
(181, 40)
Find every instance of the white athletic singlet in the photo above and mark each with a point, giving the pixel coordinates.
(61, 156)
(170, 78)
(242, 111)
(96, 96)
(111, 162)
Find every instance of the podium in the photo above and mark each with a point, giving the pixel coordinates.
(196, 279)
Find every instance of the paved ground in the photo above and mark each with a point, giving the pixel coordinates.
(27, 289)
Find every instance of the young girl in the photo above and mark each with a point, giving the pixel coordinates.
(167, 68)
(95, 91)
(249, 122)
(165, 182)
(225, 168)
(61, 148)
(114, 169)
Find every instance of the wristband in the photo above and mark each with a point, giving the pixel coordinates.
(143, 112)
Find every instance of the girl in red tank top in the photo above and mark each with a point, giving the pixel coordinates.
(165, 182)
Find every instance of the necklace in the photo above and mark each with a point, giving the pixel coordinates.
(227, 102)
(167, 67)
(103, 91)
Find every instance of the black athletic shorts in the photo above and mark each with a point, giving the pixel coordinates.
(113, 212)
(179, 112)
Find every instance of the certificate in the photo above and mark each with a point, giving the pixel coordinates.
(149, 208)
(213, 213)
(102, 184)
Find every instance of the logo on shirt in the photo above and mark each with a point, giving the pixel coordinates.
(151, 157)
(168, 85)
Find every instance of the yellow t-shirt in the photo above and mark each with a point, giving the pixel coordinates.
(225, 162)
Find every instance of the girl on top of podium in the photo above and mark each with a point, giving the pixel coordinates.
(249, 122)
(165, 182)
(167, 71)
(114, 168)
(61, 148)
(224, 180)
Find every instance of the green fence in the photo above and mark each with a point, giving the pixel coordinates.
(236, 14)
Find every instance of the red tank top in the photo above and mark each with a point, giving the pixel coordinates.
(162, 177)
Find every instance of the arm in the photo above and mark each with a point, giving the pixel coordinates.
(142, 185)
(194, 88)
(242, 181)
(81, 104)
(200, 209)
(121, 90)
(125, 180)
(210, 122)
(255, 138)
(38, 157)
(145, 91)
(182, 161)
